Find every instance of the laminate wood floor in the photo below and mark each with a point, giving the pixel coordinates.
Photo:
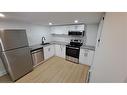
(54, 70)
(57, 70)
(5, 79)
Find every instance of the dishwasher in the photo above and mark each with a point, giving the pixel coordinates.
(37, 56)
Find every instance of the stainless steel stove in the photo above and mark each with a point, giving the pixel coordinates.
(73, 50)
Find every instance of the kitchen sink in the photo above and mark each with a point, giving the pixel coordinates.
(45, 43)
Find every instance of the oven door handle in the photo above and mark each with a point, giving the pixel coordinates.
(73, 47)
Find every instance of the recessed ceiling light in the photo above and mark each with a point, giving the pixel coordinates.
(76, 21)
(50, 23)
(2, 15)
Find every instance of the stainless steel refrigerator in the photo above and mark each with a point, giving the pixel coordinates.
(15, 53)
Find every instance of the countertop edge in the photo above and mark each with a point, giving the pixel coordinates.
(39, 46)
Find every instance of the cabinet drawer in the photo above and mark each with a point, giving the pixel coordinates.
(82, 51)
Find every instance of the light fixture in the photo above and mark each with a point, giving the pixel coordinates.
(50, 23)
(76, 21)
(2, 15)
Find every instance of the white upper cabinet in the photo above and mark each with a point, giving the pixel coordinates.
(65, 29)
(59, 29)
(81, 27)
(76, 27)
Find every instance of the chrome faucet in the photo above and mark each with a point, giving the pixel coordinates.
(43, 38)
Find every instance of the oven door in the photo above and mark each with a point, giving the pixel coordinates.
(72, 52)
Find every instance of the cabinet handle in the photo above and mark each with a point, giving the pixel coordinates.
(61, 47)
(99, 40)
(85, 54)
(48, 49)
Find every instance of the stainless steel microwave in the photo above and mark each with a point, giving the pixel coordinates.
(76, 33)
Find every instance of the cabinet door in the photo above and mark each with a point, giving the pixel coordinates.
(60, 50)
(80, 27)
(57, 50)
(90, 57)
(63, 50)
(48, 51)
(83, 57)
(51, 50)
(86, 56)
(59, 29)
(76, 27)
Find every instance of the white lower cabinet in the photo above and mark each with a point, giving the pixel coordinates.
(60, 50)
(48, 51)
(86, 56)
(57, 50)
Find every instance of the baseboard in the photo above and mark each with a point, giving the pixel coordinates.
(3, 73)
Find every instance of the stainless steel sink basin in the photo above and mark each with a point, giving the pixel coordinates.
(45, 43)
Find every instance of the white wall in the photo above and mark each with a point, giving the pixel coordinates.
(91, 34)
(110, 62)
(34, 34)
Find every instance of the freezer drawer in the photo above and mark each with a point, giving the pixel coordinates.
(17, 62)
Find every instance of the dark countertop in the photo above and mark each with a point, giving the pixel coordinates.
(88, 47)
(39, 46)
(59, 43)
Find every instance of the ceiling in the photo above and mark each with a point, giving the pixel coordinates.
(57, 18)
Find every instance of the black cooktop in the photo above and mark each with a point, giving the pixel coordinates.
(74, 44)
